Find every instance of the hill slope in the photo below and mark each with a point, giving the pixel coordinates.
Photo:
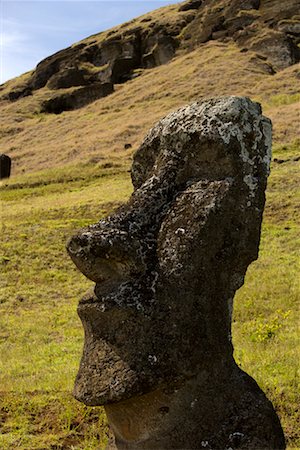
(70, 168)
(145, 68)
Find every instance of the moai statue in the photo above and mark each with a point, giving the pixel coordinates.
(158, 352)
(5, 166)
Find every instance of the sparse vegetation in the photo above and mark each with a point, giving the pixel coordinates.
(41, 336)
(102, 128)
(69, 170)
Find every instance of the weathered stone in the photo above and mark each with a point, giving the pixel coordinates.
(239, 22)
(244, 5)
(190, 4)
(290, 27)
(76, 98)
(116, 55)
(261, 63)
(18, 93)
(122, 68)
(68, 77)
(51, 65)
(251, 25)
(162, 51)
(219, 35)
(209, 24)
(280, 49)
(158, 351)
(5, 166)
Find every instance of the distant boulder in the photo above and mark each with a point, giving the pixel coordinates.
(76, 98)
(291, 27)
(53, 64)
(121, 69)
(162, 51)
(237, 5)
(5, 166)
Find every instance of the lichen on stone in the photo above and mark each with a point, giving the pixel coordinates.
(166, 267)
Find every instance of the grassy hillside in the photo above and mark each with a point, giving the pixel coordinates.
(41, 336)
(71, 169)
(37, 141)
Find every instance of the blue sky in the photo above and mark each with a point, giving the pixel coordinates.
(33, 30)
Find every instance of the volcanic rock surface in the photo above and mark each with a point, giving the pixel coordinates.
(158, 351)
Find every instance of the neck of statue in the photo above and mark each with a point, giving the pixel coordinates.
(216, 410)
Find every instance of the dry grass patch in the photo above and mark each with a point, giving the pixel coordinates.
(41, 336)
(100, 130)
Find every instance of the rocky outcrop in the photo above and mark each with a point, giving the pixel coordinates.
(190, 4)
(112, 60)
(277, 48)
(53, 65)
(5, 166)
(158, 351)
(260, 26)
(16, 94)
(76, 98)
(69, 77)
(290, 27)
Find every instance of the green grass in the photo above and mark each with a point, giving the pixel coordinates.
(41, 336)
(266, 322)
(283, 99)
(266, 313)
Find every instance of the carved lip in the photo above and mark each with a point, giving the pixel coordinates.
(100, 296)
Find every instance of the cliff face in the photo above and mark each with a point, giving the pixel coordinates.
(94, 100)
(90, 69)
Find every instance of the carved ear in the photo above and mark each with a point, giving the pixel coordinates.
(193, 231)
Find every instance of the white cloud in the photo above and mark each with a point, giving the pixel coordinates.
(17, 51)
(34, 29)
(13, 41)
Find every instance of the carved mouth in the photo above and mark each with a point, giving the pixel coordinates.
(118, 297)
(101, 296)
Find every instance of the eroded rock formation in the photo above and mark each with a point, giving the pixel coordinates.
(77, 98)
(158, 351)
(264, 27)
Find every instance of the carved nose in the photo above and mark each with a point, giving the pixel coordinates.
(107, 251)
(106, 254)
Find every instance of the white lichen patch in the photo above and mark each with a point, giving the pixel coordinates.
(152, 359)
(267, 127)
(193, 403)
(252, 183)
(211, 117)
(180, 231)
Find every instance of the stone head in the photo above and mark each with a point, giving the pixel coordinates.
(167, 264)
